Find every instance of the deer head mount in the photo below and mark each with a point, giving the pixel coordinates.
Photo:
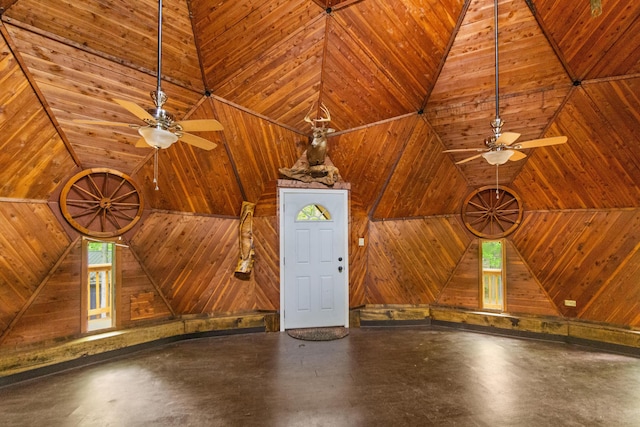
(317, 149)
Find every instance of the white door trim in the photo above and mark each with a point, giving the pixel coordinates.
(345, 195)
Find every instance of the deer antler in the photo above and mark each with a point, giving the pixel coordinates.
(326, 111)
(307, 118)
(313, 122)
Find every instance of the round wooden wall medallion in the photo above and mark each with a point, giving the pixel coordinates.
(492, 215)
(101, 202)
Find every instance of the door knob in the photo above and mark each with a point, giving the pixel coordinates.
(340, 269)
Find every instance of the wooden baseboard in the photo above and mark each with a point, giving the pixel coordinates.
(25, 363)
(606, 337)
(97, 347)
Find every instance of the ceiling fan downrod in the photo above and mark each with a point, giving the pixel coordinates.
(497, 123)
(159, 97)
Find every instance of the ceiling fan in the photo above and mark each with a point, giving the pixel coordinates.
(160, 129)
(502, 146)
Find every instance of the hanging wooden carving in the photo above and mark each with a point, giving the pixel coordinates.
(245, 234)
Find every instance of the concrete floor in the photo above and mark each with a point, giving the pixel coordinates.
(408, 376)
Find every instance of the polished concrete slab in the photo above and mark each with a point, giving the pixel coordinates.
(407, 376)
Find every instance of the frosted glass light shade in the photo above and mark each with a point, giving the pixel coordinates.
(157, 137)
(499, 157)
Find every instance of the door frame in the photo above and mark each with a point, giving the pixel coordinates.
(311, 191)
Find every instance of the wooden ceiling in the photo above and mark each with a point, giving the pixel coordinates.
(403, 79)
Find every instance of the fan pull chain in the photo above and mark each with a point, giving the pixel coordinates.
(497, 183)
(155, 168)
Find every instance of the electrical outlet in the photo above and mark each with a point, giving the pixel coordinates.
(361, 241)
(570, 303)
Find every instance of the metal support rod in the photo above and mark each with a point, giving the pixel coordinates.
(495, 29)
(159, 89)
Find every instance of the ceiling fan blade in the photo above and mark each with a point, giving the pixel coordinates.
(507, 138)
(555, 140)
(100, 123)
(142, 143)
(200, 125)
(196, 141)
(469, 159)
(135, 109)
(517, 155)
(460, 150)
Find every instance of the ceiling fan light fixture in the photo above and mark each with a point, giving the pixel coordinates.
(157, 137)
(499, 157)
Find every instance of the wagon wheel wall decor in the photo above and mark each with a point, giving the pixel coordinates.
(492, 213)
(101, 202)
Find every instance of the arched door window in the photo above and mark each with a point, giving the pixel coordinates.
(313, 212)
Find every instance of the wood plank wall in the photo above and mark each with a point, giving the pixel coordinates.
(584, 256)
(579, 238)
(411, 260)
(55, 310)
(192, 260)
(40, 159)
(31, 242)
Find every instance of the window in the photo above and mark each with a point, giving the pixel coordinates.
(493, 274)
(313, 212)
(99, 285)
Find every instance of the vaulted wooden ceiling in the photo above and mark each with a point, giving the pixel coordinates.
(403, 79)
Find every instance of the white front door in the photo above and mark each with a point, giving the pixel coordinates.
(313, 258)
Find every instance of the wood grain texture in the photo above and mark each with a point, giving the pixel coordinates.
(585, 172)
(80, 85)
(349, 73)
(394, 47)
(240, 32)
(267, 205)
(524, 295)
(191, 179)
(358, 258)
(573, 254)
(295, 63)
(373, 63)
(463, 286)
(623, 58)
(192, 259)
(410, 261)
(424, 182)
(136, 285)
(587, 43)
(366, 157)
(258, 148)
(33, 156)
(57, 306)
(618, 301)
(267, 264)
(122, 31)
(533, 84)
(31, 241)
